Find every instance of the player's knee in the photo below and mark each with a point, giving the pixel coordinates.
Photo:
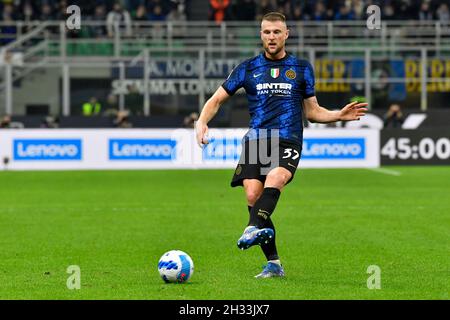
(252, 196)
(278, 178)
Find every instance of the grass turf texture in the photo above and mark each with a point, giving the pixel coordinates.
(331, 225)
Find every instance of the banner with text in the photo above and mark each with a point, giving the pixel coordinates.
(72, 149)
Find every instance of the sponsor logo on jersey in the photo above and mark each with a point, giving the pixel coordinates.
(142, 149)
(290, 74)
(333, 148)
(275, 72)
(281, 88)
(47, 149)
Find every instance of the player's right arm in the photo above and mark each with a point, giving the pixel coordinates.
(234, 81)
(208, 112)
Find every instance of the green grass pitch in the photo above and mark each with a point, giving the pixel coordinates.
(331, 226)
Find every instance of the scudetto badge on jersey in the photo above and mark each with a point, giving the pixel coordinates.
(275, 72)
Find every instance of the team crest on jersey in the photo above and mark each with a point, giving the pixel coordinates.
(275, 72)
(290, 74)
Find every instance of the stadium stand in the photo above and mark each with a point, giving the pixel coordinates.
(119, 41)
(243, 10)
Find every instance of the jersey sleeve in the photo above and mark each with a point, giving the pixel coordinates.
(309, 82)
(235, 79)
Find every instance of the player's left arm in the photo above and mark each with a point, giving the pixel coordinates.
(315, 113)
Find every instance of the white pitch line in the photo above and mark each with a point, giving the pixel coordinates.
(386, 171)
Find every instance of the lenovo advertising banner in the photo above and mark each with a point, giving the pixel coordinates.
(74, 149)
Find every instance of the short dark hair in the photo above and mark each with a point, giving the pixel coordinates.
(274, 16)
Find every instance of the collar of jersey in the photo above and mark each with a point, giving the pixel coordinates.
(276, 60)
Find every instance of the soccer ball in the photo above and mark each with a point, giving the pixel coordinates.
(175, 266)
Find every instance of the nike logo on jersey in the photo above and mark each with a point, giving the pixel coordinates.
(257, 75)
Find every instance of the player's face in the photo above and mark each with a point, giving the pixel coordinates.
(273, 36)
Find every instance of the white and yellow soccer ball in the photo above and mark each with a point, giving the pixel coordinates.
(175, 266)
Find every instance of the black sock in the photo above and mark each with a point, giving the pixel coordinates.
(264, 207)
(269, 249)
(249, 214)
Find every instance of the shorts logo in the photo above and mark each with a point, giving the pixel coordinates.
(290, 74)
(275, 72)
(238, 170)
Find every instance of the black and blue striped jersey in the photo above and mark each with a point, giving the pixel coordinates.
(275, 91)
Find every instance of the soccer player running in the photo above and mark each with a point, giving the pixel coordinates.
(277, 85)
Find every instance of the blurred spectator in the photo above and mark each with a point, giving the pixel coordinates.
(330, 14)
(178, 12)
(28, 11)
(8, 29)
(50, 122)
(296, 10)
(99, 30)
(5, 162)
(9, 12)
(394, 117)
(5, 122)
(131, 5)
(264, 6)
(111, 102)
(157, 14)
(284, 7)
(319, 12)
(298, 13)
(122, 119)
(92, 107)
(443, 14)
(219, 10)
(388, 12)
(189, 121)
(345, 13)
(425, 13)
(359, 9)
(47, 13)
(405, 10)
(141, 14)
(158, 9)
(122, 17)
(61, 10)
(245, 10)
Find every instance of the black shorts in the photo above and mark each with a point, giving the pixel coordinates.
(260, 156)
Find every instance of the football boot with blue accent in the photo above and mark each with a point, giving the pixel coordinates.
(271, 270)
(254, 236)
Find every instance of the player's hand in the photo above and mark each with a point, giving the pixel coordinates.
(201, 130)
(353, 111)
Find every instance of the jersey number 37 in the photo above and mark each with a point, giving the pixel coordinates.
(289, 154)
